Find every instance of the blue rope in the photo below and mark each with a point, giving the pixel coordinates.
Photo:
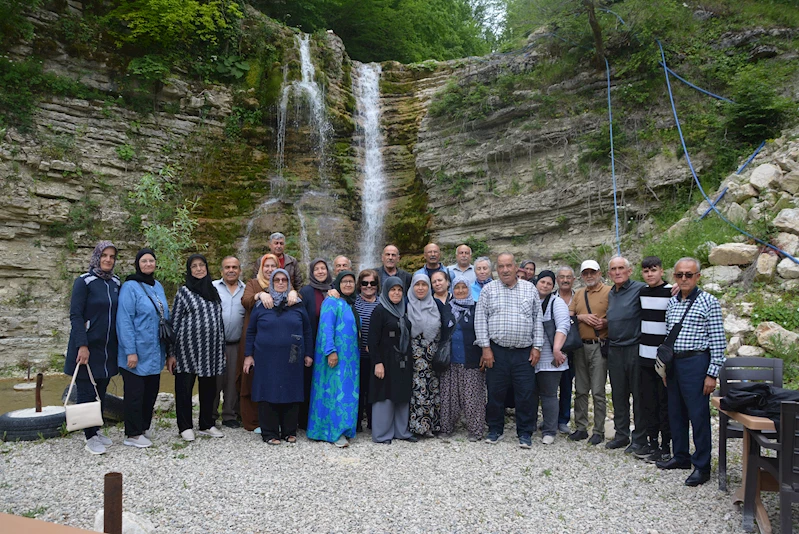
(691, 165)
(755, 153)
(689, 84)
(613, 163)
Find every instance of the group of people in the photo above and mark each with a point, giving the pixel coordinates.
(409, 353)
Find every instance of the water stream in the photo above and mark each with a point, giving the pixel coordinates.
(243, 252)
(305, 248)
(366, 89)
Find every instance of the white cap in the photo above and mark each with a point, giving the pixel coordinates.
(589, 264)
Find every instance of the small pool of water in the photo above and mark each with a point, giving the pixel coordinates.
(53, 388)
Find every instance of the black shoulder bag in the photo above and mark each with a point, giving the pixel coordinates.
(603, 343)
(665, 352)
(166, 334)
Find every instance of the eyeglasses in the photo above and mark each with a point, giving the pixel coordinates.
(365, 283)
(281, 280)
(684, 275)
(347, 282)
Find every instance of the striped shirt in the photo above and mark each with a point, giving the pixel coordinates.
(702, 329)
(654, 301)
(509, 316)
(365, 310)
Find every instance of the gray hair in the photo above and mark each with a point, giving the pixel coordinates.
(506, 253)
(565, 268)
(485, 259)
(277, 235)
(463, 245)
(627, 263)
(349, 261)
(695, 261)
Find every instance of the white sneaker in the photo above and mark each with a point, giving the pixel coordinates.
(212, 432)
(95, 446)
(106, 441)
(149, 434)
(548, 440)
(139, 441)
(187, 435)
(341, 442)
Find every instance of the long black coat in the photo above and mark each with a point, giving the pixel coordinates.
(384, 336)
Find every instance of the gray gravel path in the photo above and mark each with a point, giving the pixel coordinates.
(240, 484)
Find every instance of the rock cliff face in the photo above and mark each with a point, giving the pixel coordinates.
(512, 177)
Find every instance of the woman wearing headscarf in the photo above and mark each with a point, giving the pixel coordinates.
(439, 281)
(320, 282)
(391, 376)
(141, 353)
(334, 391)
(199, 350)
(553, 362)
(365, 303)
(93, 336)
(256, 290)
(278, 349)
(426, 333)
(463, 384)
(482, 272)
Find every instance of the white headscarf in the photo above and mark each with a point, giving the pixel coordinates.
(423, 314)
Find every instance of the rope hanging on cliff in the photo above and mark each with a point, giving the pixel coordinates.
(691, 166)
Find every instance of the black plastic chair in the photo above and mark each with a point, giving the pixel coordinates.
(735, 373)
(784, 468)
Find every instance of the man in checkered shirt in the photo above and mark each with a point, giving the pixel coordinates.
(698, 357)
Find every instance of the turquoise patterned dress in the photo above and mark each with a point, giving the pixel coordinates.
(334, 392)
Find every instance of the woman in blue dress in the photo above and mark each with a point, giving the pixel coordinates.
(279, 343)
(336, 371)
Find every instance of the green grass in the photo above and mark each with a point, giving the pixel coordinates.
(671, 248)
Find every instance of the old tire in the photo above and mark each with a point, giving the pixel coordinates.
(113, 408)
(28, 425)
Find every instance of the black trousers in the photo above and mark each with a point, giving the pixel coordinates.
(363, 400)
(278, 421)
(85, 391)
(140, 394)
(184, 383)
(655, 407)
(305, 405)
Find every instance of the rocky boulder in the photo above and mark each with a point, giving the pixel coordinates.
(766, 176)
(788, 269)
(736, 326)
(750, 351)
(733, 254)
(787, 220)
(787, 242)
(722, 275)
(770, 334)
(766, 265)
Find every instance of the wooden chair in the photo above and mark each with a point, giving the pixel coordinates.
(784, 468)
(735, 373)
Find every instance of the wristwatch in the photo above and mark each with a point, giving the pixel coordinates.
(537, 348)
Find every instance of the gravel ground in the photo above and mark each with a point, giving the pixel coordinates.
(240, 484)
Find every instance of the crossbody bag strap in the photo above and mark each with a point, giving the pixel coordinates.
(158, 309)
(675, 330)
(585, 294)
(72, 384)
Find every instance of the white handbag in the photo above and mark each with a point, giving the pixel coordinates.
(86, 415)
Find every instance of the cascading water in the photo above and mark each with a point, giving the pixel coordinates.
(243, 252)
(366, 88)
(305, 248)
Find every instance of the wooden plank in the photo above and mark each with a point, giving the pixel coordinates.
(749, 421)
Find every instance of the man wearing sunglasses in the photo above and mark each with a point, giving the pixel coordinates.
(698, 357)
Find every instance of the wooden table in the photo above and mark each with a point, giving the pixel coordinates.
(766, 482)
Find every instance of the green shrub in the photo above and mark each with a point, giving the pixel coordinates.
(783, 310)
(671, 248)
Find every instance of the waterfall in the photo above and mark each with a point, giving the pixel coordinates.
(243, 252)
(366, 88)
(304, 246)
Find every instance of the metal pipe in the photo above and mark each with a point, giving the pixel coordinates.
(112, 505)
(39, 380)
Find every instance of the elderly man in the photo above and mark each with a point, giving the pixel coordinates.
(230, 290)
(432, 258)
(624, 335)
(463, 265)
(277, 244)
(508, 327)
(565, 279)
(691, 378)
(590, 305)
(390, 259)
(341, 263)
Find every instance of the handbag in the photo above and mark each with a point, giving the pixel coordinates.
(166, 333)
(87, 414)
(665, 351)
(549, 326)
(573, 339)
(442, 357)
(604, 348)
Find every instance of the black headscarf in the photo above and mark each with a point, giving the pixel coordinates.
(325, 284)
(202, 286)
(139, 276)
(546, 274)
(349, 299)
(397, 310)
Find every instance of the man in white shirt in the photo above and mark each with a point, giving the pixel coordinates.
(230, 290)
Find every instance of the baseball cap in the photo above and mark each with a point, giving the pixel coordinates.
(589, 264)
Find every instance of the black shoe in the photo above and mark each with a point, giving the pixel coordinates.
(697, 477)
(642, 453)
(658, 455)
(617, 443)
(412, 439)
(578, 435)
(596, 439)
(231, 423)
(674, 463)
(632, 448)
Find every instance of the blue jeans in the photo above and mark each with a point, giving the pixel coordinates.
(85, 392)
(511, 368)
(687, 403)
(546, 389)
(565, 402)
